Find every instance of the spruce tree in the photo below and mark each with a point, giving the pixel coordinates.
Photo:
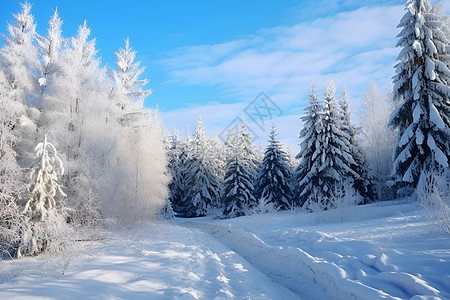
(275, 175)
(336, 161)
(12, 183)
(238, 196)
(331, 165)
(422, 89)
(19, 62)
(41, 208)
(178, 157)
(306, 174)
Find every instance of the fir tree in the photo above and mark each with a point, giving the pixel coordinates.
(306, 174)
(332, 162)
(274, 178)
(238, 188)
(19, 61)
(49, 48)
(422, 89)
(41, 207)
(11, 178)
(336, 161)
(178, 158)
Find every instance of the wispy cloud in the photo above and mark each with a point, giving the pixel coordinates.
(352, 47)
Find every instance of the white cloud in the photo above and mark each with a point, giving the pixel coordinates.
(352, 47)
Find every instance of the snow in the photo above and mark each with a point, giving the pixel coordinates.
(385, 250)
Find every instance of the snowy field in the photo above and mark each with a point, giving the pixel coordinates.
(380, 251)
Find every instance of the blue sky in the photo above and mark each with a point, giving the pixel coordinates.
(212, 58)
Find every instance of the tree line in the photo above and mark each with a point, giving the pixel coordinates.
(54, 91)
(339, 163)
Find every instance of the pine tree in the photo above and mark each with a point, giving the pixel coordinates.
(41, 207)
(178, 157)
(49, 48)
(145, 169)
(331, 163)
(274, 178)
(336, 161)
(126, 79)
(204, 187)
(307, 173)
(18, 60)
(422, 89)
(238, 196)
(19, 56)
(11, 178)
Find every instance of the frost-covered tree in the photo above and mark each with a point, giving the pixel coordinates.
(362, 182)
(126, 78)
(220, 156)
(332, 162)
(49, 49)
(75, 103)
(44, 218)
(421, 86)
(241, 140)
(18, 61)
(377, 139)
(141, 178)
(19, 55)
(275, 175)
(178, 157)
(11, 178)
(141, 174)
(307, 172)
(204, 187)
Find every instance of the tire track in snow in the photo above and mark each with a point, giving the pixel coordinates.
(307, 276)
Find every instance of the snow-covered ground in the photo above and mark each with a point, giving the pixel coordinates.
(379, 251)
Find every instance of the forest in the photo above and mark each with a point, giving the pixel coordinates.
(79, 150)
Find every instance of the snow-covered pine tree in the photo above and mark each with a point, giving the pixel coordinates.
(143, 176)
(18, 60)
(44, 219)
(75, 109)
(204, 187)
(19, 55)
(306, 175)
(49, 48)
(275, 175)
(11, 178)
(334, 163)
(238, 193)
(377, 139)
(178, 157)
(127, 82)
(362, 182)
(220, 156)
(421, 86)
(248, 149)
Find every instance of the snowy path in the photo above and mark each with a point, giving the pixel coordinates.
(380, 251)
(155, 262)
